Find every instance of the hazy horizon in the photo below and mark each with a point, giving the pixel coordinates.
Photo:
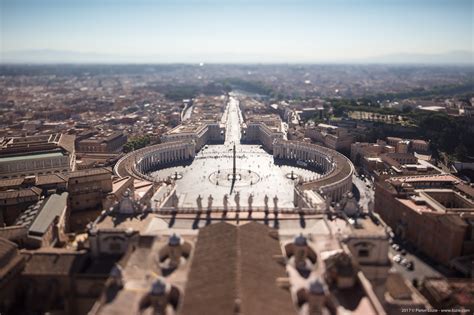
(262, 31)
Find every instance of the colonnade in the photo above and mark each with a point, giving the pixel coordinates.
(146, 159)
(293, 150)
(163, 155)
(337, 169)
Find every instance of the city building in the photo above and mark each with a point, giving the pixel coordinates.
(88, 188)
(391, 158)
(36, 155)
(13, 202)
(45, 221)
(106, 142)
(11, 265)
(409, 145)
(453, 294)
(367, 155)
(430, 212)
(334, 137)
(263, 129)
(200, 133)
(60, 279)
(311, 112)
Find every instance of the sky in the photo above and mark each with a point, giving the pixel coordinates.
(233, 31)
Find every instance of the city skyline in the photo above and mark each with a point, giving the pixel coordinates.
(257, 157)
(237, 32)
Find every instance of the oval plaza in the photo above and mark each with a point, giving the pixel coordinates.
(238, 165)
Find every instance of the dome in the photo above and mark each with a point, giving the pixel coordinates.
(300, 240)
(316, 287)
(158, 287)
(116, 272)
(174, 240)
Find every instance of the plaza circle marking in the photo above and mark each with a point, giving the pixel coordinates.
(223, 177)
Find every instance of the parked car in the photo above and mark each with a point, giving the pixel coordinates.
(410, 265)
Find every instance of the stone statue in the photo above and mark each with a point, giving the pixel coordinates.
(250, 201)
(209, 202)
(275, 202)
(199, 202)
(159, 297)
(174, 201)
(328, 203)
(226, 202)
(300, 204)
(237, 200)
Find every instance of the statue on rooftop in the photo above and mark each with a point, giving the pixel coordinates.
(199, 202)
(237, 200)
(301, 251)
(210, 199)
(265, 201)
(174, 201)
(250, 201)
(159, 297)
(226, 202)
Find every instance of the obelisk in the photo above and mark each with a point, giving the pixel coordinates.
(234, 175)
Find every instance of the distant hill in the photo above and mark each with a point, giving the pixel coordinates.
(454, 57)
(59, 56)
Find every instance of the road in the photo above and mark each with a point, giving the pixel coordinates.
(233, 121)
(366, 193)
(420, 271)
(187, 113)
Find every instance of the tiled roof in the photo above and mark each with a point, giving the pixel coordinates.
(13, 233)
(12, 182)
(53, 263)
(90, 171)
(54, 206)
(233, 269)
(9, 257)
(22, 193)
(51, 179)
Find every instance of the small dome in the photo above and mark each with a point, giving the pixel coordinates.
(316, 287)
(116, 272)
(158, 287)
(300, 240)
(174, 240)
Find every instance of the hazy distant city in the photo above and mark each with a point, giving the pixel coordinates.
(214, 158)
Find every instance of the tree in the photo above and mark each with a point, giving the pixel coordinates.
(338, 111)
(460, 152)
(407, 109)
